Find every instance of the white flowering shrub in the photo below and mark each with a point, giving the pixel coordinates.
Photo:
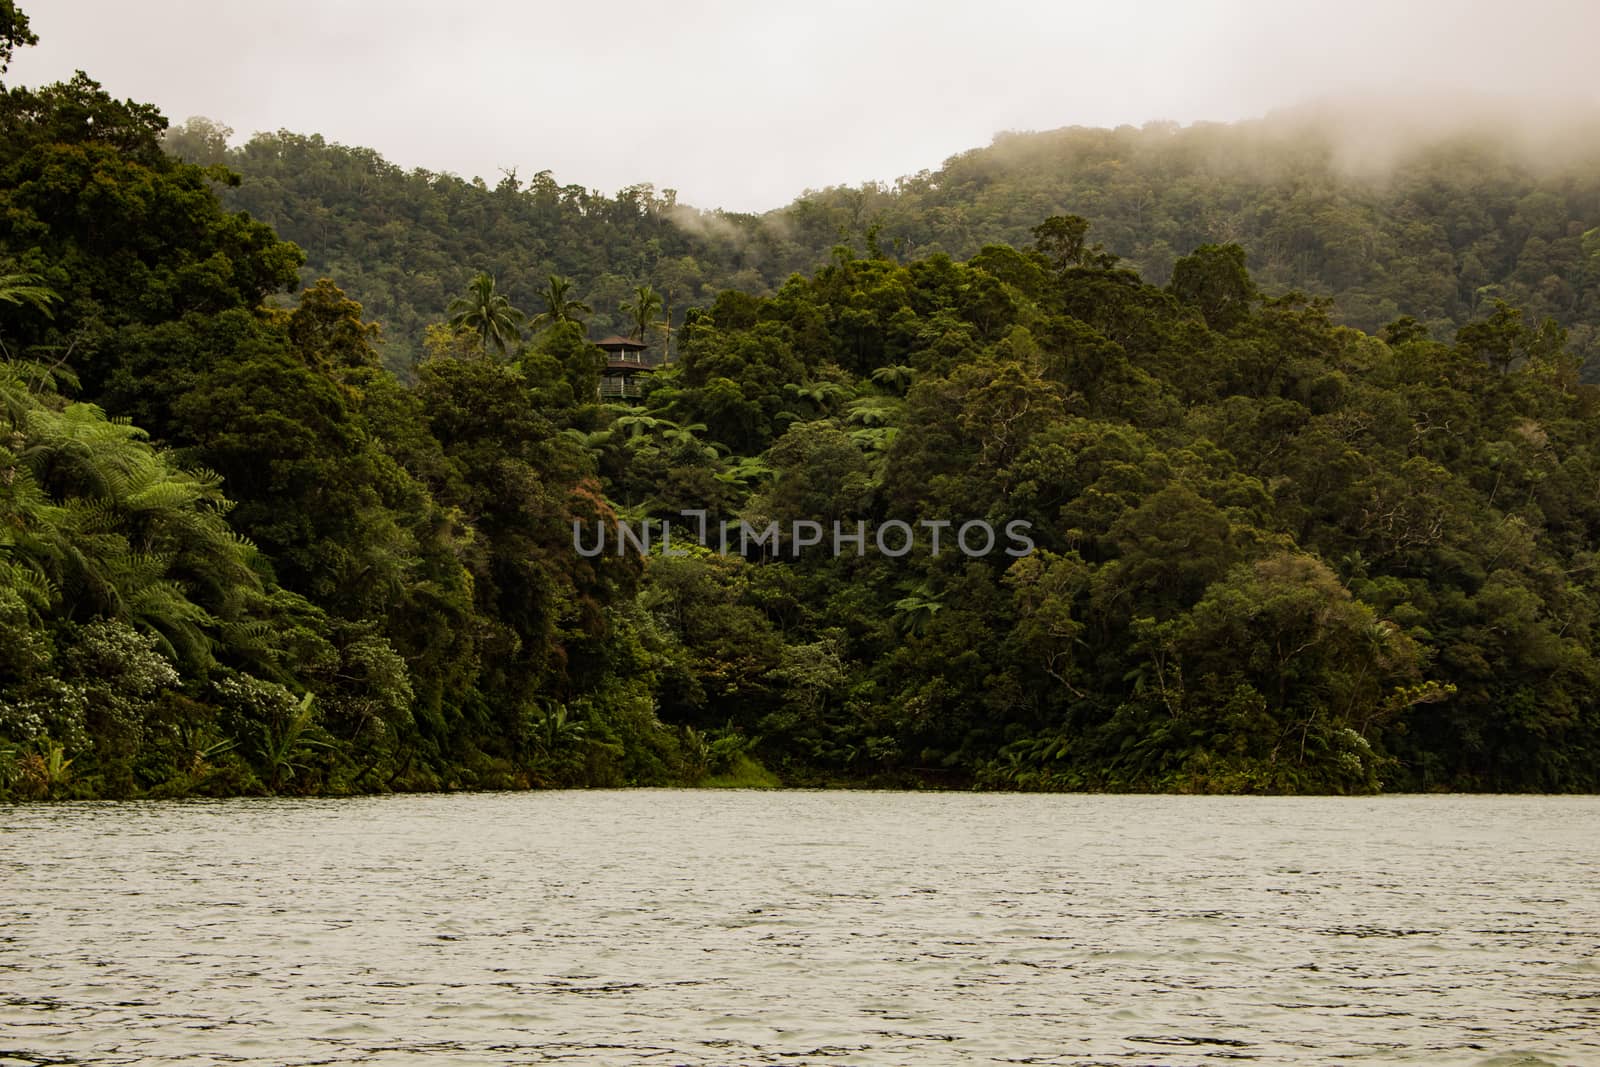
(116, 655)
(47, 708)
(247, 702)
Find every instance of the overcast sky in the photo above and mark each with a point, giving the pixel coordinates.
(743, 104)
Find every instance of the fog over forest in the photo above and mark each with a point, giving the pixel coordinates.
(742, 106)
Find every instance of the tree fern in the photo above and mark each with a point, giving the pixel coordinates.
(98, 523)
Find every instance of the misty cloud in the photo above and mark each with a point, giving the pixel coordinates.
(742, 106)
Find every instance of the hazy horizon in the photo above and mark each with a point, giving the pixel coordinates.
(744, 109)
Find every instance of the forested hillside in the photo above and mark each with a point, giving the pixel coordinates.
(237, 554)
(1431, 221)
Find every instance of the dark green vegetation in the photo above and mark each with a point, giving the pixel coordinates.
(1387, 221)
(237, 554)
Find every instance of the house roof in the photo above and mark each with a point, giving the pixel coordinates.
(621, 342)
(628, 366)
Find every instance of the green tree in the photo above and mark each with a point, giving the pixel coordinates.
(1063, 240)
(642, 311)
(560, 305)
(26, 289)
(14, 32)
(199, 140)
(1214, 279)
(487, 313)
(102, 526)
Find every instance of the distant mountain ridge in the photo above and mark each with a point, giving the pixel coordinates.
(1387, 217)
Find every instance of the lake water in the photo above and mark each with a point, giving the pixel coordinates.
(667, 927)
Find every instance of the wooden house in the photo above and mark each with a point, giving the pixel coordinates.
(627, 362)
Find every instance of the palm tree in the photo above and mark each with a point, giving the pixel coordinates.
(896, 378)
(821, 395)
(682, 436)
(25, 289)
(554, 729)
(746, 471)
(684, 439)
(284, 744)
(488, 314)
(874, 439)
(670, 399)
(635, 426)
(94, 521)
(913, 613)
(642, 310)
(594, 441)
(873, 411)
(559, 305)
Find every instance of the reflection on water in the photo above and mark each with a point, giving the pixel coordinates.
(802, 928)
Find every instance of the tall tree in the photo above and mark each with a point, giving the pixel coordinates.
(487, 313)
(560, 304)
(642, 310)
(1214, 279)
(14, 32)
(25, 289)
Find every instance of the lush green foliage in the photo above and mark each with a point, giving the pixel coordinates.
(1427, 220)
(385, 598)
(1275, 553)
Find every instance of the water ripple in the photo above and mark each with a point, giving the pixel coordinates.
(802, 928)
